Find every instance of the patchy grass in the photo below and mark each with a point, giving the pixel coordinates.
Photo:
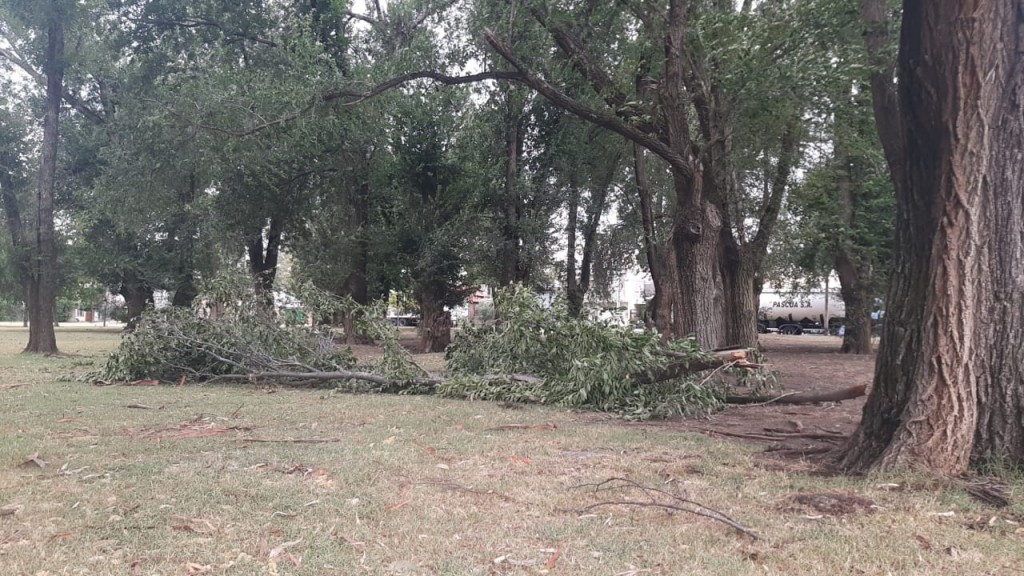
(213, 480)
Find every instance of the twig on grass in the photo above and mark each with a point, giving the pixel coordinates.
(456, 487)
(776, 436)
(682, 504)
(292, 440)
(546, 426)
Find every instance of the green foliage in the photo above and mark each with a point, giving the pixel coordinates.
(235, 336)
(395, 363)
(581, 363)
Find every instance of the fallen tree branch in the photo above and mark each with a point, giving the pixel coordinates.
(682, 504)
(683, 365)
(801, 397)
(307, 377)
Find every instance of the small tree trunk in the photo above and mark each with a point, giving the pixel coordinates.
(263, 262)
(661, 311)
(137, 295)
(356, 288)
(511, 268)
(857, 298)
(186, 292)
(573, 293)
(436, 322)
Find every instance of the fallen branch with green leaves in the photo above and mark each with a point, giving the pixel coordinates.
(533, 354)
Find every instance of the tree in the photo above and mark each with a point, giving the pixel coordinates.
(948, 383)
(433, 208)
(50, 21)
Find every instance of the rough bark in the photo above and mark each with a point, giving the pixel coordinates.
(999, 433)
(695, 236)
(42, 282)
(945, 345)
(739, 275)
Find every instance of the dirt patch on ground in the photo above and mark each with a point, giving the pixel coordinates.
(804, 363)
(831, 504)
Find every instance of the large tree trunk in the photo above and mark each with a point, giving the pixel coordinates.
(999, 433)
(955, 301)
(742, 295)
(742, 260)
(43, 281)
(695, 236)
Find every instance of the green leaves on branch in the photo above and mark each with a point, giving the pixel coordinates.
(578, 363)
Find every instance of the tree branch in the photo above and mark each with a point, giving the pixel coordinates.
(349, 97)
(675, 502)
(770, 211)
(588, 67)
(204, 23)
(602, 119)
(364, 18)
(14, 57)
(884, 98)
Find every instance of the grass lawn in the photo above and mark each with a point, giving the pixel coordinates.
(198, 479)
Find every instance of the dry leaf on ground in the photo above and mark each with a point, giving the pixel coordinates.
(34, 459)
(277, 550)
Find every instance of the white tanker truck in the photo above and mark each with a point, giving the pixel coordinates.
(790, 312)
